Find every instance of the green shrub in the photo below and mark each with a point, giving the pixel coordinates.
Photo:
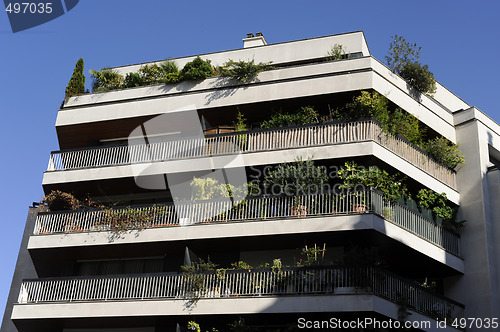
(403, 58)
(419, 77)
(241, 122)
(392, 186)
(172, 78)
(336, 53)
(305, 115)
(444, 151)
(76, 85)
(438, 204)
(408, 126)
(106, 79)
(165, 72)
(368, 105)
(151, 74)
(197, 69)
(400, 53)
(133, 80)
(242, 70)
(374, 105)
(169, 67)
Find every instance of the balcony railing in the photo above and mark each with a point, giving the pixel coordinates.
(253, 141)
(260, 208)
(248, 283)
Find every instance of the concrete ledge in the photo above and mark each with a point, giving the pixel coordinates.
(251, 228)
(229, 306)
(301, 81)
(345, 150)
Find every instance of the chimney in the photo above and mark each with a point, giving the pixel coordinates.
(253, 41)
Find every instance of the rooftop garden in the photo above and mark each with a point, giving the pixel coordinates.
(402, 58)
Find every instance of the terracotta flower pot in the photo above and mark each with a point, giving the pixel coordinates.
(359, 208)
(298, 211)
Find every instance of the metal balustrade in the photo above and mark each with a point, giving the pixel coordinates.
(238, 283)
(253, 141)
(260, 208)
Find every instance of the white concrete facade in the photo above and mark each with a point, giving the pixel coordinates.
(473, 279)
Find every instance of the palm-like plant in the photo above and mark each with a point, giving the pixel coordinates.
(106, 79)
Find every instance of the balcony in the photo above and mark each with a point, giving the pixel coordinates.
(330, 134)
(258, 283)
(399, 214)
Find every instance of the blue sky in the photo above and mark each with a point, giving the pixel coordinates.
(460, 43)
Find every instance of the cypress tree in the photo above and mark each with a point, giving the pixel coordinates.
(76, 85)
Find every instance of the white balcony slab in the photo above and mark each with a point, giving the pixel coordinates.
(347, 150)
(251, 228)
(230, 306)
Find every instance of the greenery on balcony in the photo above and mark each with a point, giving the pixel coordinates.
(394, 121)
(298, 180)
(242, 71)
(336, 53)
(76, 85)
(305, 115)
(403, 59)
(394, 188)
(108, 79)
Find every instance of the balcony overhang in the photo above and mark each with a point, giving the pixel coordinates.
(304, 305)
(52, 179)
(282, 227)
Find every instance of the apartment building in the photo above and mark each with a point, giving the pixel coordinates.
(270, 261)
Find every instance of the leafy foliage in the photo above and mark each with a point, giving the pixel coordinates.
(419, 77)
(172, 78)
(435, 202)
(196, 279)
(444, 151)
(169, 67)
(392, 186)
(368, 105)
(193, 326)
(407, 125)
(403, 59)
(151, 74)
(336, 53)
(120, 220)
(241, 122)
(133, 80)
(375, 105)
(400, 53)
(106, 79)
(208, 188)
(241, 265)
(76, 84)
(197, 69)
(58, 200)
(312, 256)
(438, 204)
(166, 72)
(204, 188)
(242, 70)
(297, 178)
(305, 115)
